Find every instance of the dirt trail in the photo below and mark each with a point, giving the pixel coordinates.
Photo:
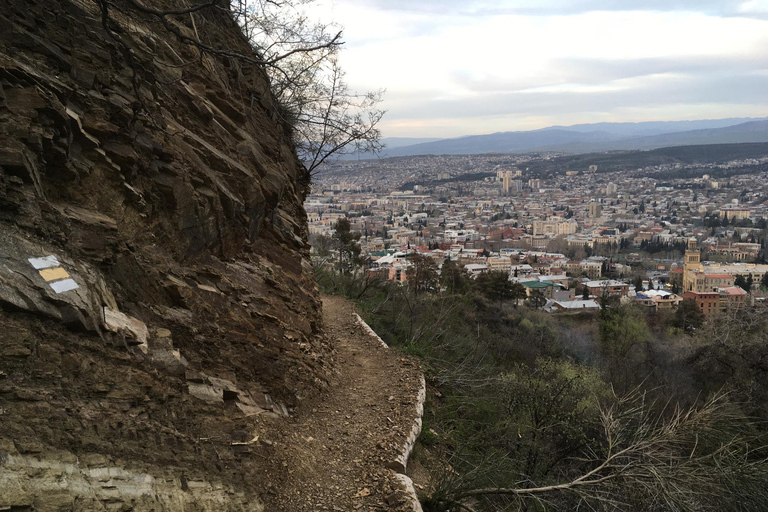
(334, 452)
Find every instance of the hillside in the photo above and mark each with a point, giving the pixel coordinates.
(648, 128)
(596, 137)
(631, 160)
(156, 295)
(751, 132)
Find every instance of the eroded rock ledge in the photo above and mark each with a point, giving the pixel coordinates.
(156, 295)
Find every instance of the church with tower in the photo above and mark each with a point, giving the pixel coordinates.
(691, 266)
(706, 277)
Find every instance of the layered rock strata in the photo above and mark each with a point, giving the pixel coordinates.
(156, 294)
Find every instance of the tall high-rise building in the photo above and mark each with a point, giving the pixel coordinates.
(595, 209)
(509, 185)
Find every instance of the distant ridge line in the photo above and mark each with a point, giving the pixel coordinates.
(589, 138)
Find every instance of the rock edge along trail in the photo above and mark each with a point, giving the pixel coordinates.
(335, 452)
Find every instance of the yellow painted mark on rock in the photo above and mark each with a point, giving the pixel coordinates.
(54, 274)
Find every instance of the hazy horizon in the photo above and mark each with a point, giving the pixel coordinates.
(571, 125)
(473, 67)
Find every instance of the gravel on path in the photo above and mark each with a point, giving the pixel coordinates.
(333, 453)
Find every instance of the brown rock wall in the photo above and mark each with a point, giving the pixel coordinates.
(179, 210)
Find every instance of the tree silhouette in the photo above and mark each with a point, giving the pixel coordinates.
(346, 245)
(323, 116)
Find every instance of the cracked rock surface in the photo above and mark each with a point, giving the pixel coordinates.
(157, 299)
(161, 336)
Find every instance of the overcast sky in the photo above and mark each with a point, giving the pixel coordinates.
(454, 68)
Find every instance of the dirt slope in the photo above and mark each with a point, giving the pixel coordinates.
(158, 309)
(156, 290)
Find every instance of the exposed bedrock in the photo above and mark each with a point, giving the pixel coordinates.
(156, 294)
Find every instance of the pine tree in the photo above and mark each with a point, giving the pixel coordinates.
(741, 282)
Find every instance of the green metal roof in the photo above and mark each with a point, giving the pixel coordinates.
(537, 284)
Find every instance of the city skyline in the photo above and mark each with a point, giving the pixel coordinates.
(464, 68)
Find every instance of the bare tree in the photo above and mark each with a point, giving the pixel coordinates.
(328, 119)
(694, 459)
(323, 116)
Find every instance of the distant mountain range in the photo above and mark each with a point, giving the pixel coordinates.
(398, 142)
(588, 138)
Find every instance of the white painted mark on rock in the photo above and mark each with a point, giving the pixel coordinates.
(64, 286)
(50, 269)
(45, 262)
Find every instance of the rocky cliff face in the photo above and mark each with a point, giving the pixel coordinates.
(156, 296)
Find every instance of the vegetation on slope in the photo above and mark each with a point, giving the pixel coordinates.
(631, 160)
(614, 411)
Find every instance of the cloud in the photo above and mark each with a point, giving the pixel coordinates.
(652, 91)
(568, 7)
(581, 74)
(517, 62)
(754, 8)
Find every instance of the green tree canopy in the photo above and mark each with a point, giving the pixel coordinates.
(453, 277)
(346, 244)
(537, 299)
(688, 316)
(421, 274)
(495, 285)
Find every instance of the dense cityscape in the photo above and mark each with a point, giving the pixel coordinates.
(655, 234)
(383, 256)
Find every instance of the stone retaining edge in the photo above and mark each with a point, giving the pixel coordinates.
(410, 442)
(409, 491)
(370, 331)
(401, 461)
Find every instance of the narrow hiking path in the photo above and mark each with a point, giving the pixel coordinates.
(334, 451)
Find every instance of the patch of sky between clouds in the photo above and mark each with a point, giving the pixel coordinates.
(753, 7)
